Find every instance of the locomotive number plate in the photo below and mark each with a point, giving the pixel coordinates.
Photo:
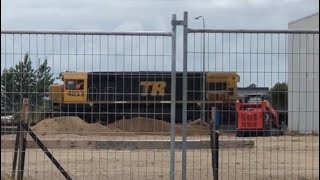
(75, 93)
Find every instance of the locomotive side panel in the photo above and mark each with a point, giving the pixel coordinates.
(144, 87)
(132, 87)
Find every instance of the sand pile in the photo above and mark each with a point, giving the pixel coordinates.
(198, 123)
(141, 125)
(198, 127)
(71, 125)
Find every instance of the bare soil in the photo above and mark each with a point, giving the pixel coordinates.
(284, 157)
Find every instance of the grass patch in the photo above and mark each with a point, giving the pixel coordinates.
(5, 176)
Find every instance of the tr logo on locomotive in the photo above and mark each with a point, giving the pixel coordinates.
(157, 88)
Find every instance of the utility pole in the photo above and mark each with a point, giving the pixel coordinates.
(202, 116)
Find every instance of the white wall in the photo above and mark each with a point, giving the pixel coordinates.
(303, 77)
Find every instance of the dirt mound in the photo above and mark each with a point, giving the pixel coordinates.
(141, 125)
(71, 125)
(198, 127)
(199, 123)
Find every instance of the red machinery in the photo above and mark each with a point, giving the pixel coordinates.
(256, 115)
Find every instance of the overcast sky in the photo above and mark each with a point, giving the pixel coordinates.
(152, 15)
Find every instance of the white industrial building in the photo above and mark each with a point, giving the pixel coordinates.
(303, 76)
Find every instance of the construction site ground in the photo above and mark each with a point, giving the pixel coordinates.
(281, 157)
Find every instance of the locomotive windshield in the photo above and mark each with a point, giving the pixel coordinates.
(74, 85)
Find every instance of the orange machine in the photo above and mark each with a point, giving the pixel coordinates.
(256, 115)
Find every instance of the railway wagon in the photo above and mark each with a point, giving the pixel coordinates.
(109, 96)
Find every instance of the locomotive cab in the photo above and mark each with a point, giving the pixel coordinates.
(75, 86)
(73, 89)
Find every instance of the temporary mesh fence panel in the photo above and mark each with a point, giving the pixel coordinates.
(281, 67)
(103, 103)
(98, 101)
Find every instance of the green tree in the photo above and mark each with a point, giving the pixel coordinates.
(3, 97)
(7, 80)
(22, 81)
(43, 80)
(19, 82)
(279, 95)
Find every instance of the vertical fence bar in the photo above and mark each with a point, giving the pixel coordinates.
(184, 97)
(15, 155)
(212, 140)
(216, 156)
(173, 98)
(23, 137)
(22, 153)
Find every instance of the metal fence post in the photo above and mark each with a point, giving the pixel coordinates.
(173, 98)
(15, 155)
(214, 138)
(184, 96)
(216, 156)
(24, 118)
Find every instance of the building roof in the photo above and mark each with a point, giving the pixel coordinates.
(303, 18)
(253, 88)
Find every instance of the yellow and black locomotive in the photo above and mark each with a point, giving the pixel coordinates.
(109, 96)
